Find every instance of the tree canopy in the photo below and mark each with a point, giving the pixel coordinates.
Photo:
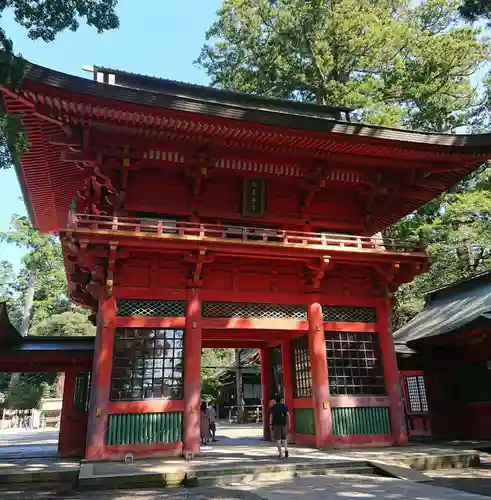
(472, 10)
(456, 228)
(399, 63)
(52, 313)
(43, 21)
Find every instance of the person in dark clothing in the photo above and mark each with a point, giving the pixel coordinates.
(279, 421)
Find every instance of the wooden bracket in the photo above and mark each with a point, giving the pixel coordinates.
(318, 270)
(198, 260)
(111, 265)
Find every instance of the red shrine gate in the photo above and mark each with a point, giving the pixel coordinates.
(201, 218)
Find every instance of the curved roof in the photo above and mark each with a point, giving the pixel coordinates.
(182, 116)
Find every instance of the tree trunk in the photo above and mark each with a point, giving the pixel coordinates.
(26, 320)
(238, 384)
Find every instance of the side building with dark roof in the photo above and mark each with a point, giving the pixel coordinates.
(444, 355)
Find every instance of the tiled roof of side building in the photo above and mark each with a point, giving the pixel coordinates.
(448, 309)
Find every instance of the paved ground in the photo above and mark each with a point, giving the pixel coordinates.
(21, 448)
(474, 480)
(21, 443)
(312, 488)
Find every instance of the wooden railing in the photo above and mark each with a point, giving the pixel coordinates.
(228, 232)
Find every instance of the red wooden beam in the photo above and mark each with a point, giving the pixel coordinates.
(263, 335)
(232, 344)
(7, 366)
(254, 324)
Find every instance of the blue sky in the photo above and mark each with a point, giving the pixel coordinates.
(156, 37)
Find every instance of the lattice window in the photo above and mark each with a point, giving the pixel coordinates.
(147, 364)
(302, 374)
(350, 314)
(250, 310)
(354, 364)
(163, 308)
(416, 393)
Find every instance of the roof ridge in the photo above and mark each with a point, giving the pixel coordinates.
(221, 91)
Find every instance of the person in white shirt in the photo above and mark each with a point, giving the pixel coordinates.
(213, 425)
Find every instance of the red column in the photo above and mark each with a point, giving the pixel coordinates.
(286, 362)
(101, 379)
(65, 445)
(266, 383)
(192, 373)
(320, 383)
(391, 372)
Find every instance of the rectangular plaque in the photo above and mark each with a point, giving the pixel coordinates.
(254, 197)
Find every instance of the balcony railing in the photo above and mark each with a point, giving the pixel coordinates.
(228, 233)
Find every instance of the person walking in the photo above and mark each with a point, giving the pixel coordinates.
(279, 421)
(204, 424)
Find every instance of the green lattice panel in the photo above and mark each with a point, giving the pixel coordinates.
(144, 428)
(360, 421)
(304, 421)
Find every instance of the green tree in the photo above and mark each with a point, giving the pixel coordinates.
(43, 21)
(456, 228)
(67, 324)
(43, 260)
(213, 361)
(28, 391)
(398, 62)
(6, 277)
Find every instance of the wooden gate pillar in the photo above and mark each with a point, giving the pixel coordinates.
(192, 373)
(65, 444)
(101, 379)
(266, 386)
(286, 362)
(391, 372)
(320, 382)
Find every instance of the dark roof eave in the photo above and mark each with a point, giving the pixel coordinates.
(46, 76)
(8, 333)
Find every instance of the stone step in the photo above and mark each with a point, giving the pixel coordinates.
(49, 477)
(279, 476)
(212, 476)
